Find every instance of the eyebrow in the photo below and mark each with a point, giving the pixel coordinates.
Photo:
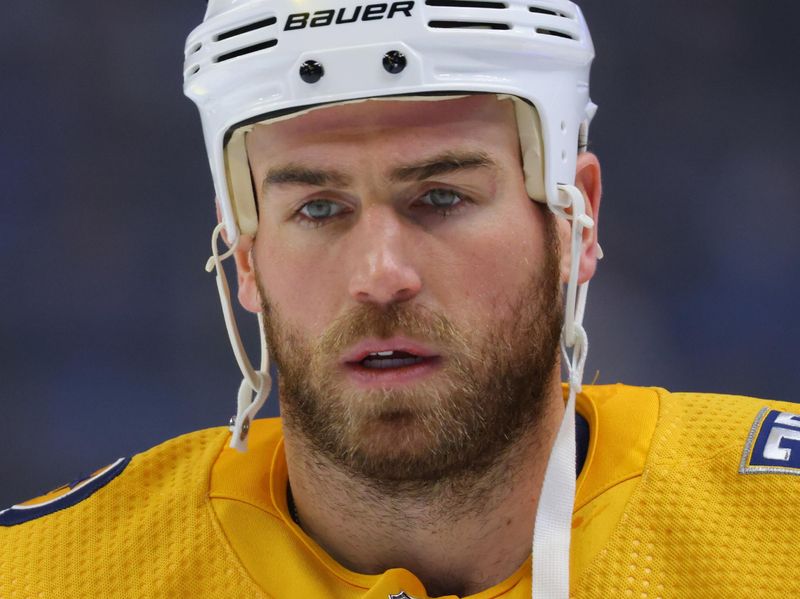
(442, 164)
(295, 174)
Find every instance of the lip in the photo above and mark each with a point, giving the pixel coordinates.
(373, 345)
(373, 378)
(389, 377)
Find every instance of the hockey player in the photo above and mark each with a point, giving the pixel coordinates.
(406, 194)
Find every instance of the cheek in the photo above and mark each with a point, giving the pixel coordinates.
(489, 270)
(301, 285)
(564, 231)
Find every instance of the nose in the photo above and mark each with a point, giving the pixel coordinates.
(384, 256)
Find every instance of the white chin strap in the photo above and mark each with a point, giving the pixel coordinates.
(256, 382)
(553, 528)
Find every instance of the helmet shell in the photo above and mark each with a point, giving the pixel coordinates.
(243, 65)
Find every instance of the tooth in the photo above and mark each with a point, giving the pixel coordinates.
(385, 353)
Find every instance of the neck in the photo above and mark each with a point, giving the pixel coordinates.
(458, 536)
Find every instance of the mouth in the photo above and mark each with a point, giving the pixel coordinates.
(390, 361)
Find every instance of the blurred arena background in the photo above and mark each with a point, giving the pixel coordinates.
(110, 331)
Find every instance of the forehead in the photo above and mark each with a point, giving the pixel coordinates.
(482, 120)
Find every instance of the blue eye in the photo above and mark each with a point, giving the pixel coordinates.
(320, 209)
(442, 199)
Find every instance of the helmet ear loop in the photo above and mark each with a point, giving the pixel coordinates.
(253, 381)
(573, 335)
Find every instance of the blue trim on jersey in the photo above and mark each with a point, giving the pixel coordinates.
(19, 514)
(582, 435)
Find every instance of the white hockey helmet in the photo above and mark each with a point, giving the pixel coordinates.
(253, 60)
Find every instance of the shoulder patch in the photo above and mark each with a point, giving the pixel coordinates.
(773, 445)
(62, 497)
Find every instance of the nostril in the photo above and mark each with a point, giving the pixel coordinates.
(384, 290)
(404, 294)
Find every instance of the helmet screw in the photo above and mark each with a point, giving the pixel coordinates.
(311, 71)
(394, 62)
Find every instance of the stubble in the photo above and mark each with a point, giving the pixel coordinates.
(446, 430)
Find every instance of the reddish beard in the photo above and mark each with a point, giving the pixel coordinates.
(492, 387)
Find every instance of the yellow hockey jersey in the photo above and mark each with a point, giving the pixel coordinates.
(680, 496)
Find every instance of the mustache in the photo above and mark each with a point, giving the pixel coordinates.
(383, 322)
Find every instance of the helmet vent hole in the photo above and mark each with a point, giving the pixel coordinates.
(555, 33)
(195, 49)
(246, 50)
(547, 11)
(467, 25)
(245, 29)
(466, 3)
(194, 70)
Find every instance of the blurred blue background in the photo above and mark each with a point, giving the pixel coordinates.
(112, 339)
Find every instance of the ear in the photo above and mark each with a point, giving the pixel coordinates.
(588, 181)
(248, 294)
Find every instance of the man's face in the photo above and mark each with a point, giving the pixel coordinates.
(404, 227)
